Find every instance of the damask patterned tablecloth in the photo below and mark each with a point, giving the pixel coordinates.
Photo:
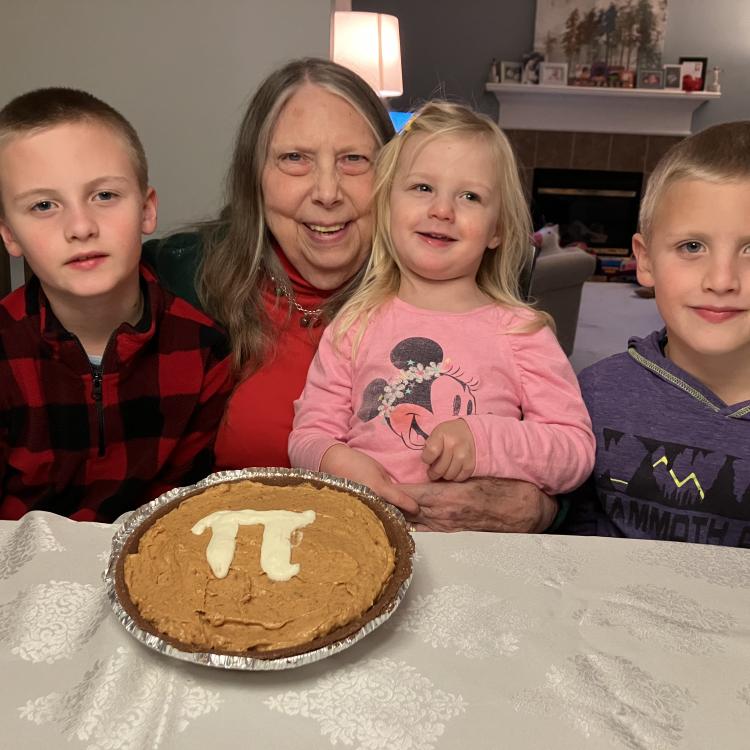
(503, 641)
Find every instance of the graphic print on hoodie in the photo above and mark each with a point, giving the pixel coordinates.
(672, 460)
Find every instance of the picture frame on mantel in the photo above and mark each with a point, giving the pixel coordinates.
(510, 72)
(673, 77)
(553, 74)
(694, 71)
(650, 78)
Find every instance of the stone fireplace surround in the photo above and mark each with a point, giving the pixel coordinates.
(604, 151)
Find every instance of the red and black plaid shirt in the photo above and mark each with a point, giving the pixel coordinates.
(91, 445)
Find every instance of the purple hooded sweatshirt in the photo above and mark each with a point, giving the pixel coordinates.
(672, 459)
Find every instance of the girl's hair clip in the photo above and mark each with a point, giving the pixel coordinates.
(408, 125)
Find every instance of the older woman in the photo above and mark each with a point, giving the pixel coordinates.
(298, 231)
(287, 251)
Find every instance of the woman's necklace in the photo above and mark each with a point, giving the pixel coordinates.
(310, 318)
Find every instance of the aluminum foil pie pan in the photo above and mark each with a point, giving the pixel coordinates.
(320, 648)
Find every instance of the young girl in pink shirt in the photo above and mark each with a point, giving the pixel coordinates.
(436, 369)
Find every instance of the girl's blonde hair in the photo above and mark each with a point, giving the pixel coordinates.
(238, 256)
(499, 270)
(718, 154)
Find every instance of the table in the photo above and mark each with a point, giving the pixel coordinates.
(503, 641)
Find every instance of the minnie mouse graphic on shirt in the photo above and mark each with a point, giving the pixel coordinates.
(426, 391)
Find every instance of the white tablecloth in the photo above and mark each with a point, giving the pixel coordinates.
(501, 642)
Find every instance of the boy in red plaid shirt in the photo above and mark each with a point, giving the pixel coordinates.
(111, 389)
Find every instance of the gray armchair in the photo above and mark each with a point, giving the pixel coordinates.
(556, 286)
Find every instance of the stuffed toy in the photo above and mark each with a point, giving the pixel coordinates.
(547, 239)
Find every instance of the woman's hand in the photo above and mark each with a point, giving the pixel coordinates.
(351, 464)
(450, 451)
(483, 504)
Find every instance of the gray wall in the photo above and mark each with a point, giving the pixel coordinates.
(180, 70)
(720, 31)
(447, 46)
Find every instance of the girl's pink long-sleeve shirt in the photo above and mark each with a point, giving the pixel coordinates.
(416, 368)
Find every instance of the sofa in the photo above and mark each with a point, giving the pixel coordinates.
(556, 284)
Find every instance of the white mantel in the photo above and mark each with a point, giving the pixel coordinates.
(597, 109)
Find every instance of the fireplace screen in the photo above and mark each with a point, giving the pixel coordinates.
(598, 208)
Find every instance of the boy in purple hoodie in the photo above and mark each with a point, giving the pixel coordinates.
(672, 415)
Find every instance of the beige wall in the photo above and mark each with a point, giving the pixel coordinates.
(180, 70)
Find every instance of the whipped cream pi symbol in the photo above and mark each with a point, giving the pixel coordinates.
(275, 549)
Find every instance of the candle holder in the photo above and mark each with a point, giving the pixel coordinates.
(715, 85)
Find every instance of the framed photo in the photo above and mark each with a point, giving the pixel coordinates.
(510, 72)
(627, 79)
(614, 73)
(553, 74)
(599, 73)
(650, 78)
(673, 76)
(694, 73)
(582, 74)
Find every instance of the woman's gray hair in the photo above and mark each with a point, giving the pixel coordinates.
(238, 256)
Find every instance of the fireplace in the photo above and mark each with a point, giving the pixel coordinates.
(610, 153)
(595, 207)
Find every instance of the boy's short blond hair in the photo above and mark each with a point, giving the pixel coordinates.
(45, 108)
(719, 153)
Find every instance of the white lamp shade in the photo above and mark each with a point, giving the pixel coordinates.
(369, 44)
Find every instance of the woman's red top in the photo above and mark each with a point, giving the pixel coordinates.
(260, 412)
